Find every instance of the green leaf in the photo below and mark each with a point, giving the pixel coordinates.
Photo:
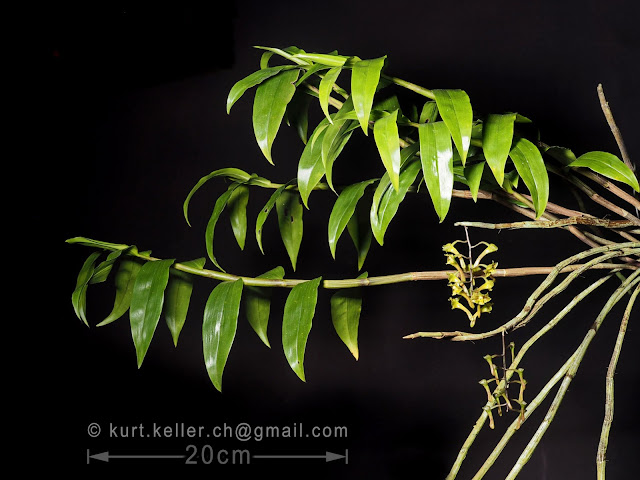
(315, 68)
(219, 327)
(564, 155)
(103, 269)
(497, 136)
(334, 140)
(385, 132)
(124, 281)
(231, 173)
(286, 53)
(343, 210)
(436, 154)
(264, 59)
(510, 181)
(310, 167)
(528, 161)
(429, 112)
(79, 295)
(290, 211)
(213, 220)
(257, 302)
(382, 215)
(360, 232)
(256, 78)
(455, 109)
(325, 88)
(346, 306)
(364, 82)
(298, 114)
(88, 242)
(473, 174)
(296, 323)
(238, 213)
(146, 303)
(178, 296)
(264, 213)
(608, 165)
(269, 105)
(324, 59)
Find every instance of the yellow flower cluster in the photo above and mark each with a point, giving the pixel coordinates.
(463, 281)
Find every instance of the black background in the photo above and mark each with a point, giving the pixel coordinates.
(131, 104)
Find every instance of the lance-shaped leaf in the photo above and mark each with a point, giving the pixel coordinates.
(429, 113)
(473, 174)
(264, 213)
(436, 155)
(455, 109)
(334, 140)
(178, 296)
(104, 268)
(146, 303)
(346, 306)
(391, 199)
(238, 213)
(296, 323)
(124, 281)
(219, 327)
(323, 58)
(315, 68)
(325, 88)
(608, 165)
(360, 232)
(564, 155)
(528, 161)
(298, 114)
(79, 295)
(257, 303)
(290, 211)
(311, 167)
(343, 210)
(256, 78)
(289, 53)
(231, 173)
(264, 59)
(213, 220)
(269, 106)
(497, 136)
(385, 133)
(365, 76)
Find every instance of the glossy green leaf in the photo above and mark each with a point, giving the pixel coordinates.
(146, 303)
(177, 298)
(429, 113)
(219, 206)
(436, 155)
(313, 69)
(324, 59)
(343, 210)
(219, 327)
(264, 213)
(234, 174)
(296, 323)
(257, 302)
(310, 167)
(264, 59)
(360, 232)
(326, 87)
(79, 295)
(238, 213)
(104, 268)
(455, 109)
(365, 76)
(390, 201)
(124, 281)
(269, 106)
(346, 306)
(564, 155)
(334, 140)
(256, 78)
(528, 161)
(298, 114)
(288, 53)
(497, 136)
(89, 242)
(290, 211)
(473, 174)
(608, 165)
(388, 105)
(385, 133)
(510, 182)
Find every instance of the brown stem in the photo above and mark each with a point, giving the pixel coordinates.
(614, 128)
